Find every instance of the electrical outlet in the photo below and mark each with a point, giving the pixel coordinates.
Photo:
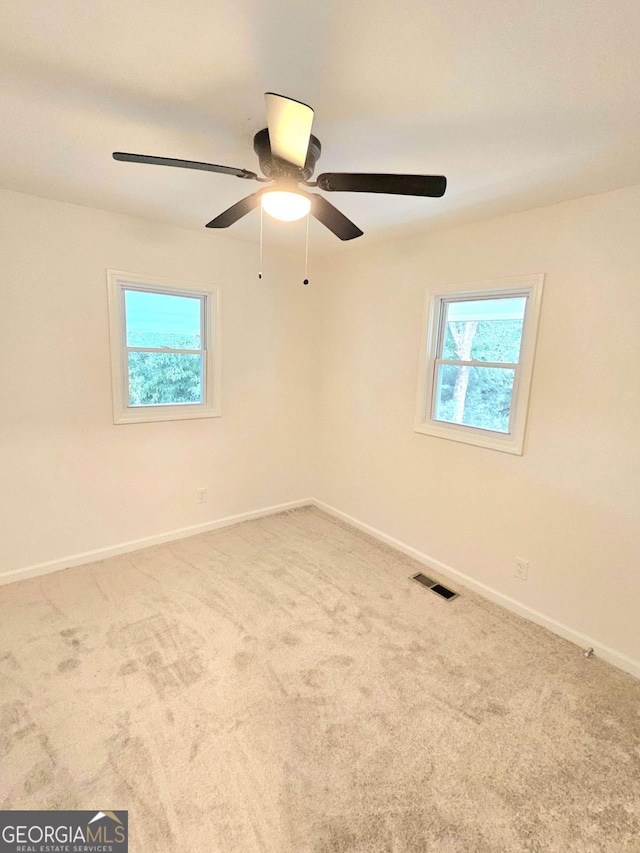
(522, 569)
(202, 496)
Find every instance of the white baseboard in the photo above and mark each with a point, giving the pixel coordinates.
(606, 653)
(146, 542)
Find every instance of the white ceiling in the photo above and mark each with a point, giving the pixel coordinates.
(519, 102)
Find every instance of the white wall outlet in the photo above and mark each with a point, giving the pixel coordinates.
(522, 569)
(202, 496)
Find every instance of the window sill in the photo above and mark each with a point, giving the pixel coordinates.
(131, 416)
(468, 435)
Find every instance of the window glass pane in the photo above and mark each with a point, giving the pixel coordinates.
(162, 320)
(157, 378)
(474, 396)
(484, 329)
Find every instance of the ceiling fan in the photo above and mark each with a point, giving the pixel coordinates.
(288, 152)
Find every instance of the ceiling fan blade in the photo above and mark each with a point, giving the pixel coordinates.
(289, 124)
(332, 219)
(235, 212)
(182, 164)
(348, 182)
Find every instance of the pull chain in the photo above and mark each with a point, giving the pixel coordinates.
(306, 254)
(260, 269)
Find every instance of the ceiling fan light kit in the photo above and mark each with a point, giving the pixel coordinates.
(285, 205)
(288, 152)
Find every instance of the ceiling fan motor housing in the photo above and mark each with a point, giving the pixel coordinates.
(273, 167)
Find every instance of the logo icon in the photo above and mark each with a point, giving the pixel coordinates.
(100, 815)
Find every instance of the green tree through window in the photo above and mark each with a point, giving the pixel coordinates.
(163, 321)
(164, 377)
(487, 330)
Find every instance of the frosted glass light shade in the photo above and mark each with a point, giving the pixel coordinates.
(285, 206)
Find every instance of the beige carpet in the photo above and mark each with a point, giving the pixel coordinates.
(282, 686)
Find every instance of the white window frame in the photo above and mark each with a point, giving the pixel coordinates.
(210, 407)
(513, 441)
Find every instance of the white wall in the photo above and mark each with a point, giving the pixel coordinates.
(71, 481)
(570, 505)
(319, 395)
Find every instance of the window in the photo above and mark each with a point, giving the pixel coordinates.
(477, 362)
(165, 348)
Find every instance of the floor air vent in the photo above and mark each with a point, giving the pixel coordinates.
(442, 591)
(423, 579)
